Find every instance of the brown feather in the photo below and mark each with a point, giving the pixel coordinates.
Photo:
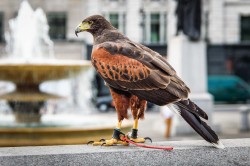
(121, 102)
(125, 73)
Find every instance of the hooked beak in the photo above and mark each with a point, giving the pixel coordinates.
(82, 27)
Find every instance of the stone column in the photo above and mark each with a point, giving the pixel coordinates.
(133, 20)
(189, 60)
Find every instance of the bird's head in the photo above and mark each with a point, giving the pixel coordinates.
(94, 24)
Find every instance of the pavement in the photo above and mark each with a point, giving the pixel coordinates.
(195, 152)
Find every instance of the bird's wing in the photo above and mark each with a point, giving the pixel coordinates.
(132, 67)
(139, 52)
(127, 66)
(146, 56)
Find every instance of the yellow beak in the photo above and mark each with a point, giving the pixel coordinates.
(82, 27)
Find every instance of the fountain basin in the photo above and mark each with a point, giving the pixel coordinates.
(61, 129)
(32, 72)
(27, 100)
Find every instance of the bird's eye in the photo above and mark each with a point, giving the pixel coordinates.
(91, 22)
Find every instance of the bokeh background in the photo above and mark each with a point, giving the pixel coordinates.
(225, 30)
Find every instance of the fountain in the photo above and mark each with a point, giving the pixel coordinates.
(27, 100)
(30, 63)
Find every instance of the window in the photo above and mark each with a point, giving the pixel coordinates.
(114, 19)
(1, 28)
(245, 28)
(57, 23)
(155, 28)
(117, 20)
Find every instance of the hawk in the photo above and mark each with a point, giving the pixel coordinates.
(136, 74)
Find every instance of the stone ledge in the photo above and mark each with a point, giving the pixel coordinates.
(185, 153)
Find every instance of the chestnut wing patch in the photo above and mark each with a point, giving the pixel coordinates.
(126, 73)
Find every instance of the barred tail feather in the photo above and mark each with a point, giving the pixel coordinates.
(197, 124)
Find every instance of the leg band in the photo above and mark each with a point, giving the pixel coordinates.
(116, 134)
(134, 133)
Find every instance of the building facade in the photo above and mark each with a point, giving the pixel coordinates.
(225, 26)
(229, 21)
(145, 21)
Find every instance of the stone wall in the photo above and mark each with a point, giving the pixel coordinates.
(185, 153)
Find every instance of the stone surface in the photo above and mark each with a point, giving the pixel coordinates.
(185, 153)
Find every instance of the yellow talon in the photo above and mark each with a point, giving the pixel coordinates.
(113, 141)
(110, 142)
(97, 143)
(138, 140)
(123, 143)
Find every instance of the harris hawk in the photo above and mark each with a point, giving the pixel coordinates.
(136, 74)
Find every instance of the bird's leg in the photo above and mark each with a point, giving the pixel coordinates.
(115, 138)
(121, 102)
(134, 132)
(116, 135)
(119, 124)
(137, 107)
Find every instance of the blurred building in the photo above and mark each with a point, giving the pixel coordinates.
(226, 27)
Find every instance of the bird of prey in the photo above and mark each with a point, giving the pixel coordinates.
(136, 74)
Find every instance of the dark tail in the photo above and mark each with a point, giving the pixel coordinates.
(192, 115)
